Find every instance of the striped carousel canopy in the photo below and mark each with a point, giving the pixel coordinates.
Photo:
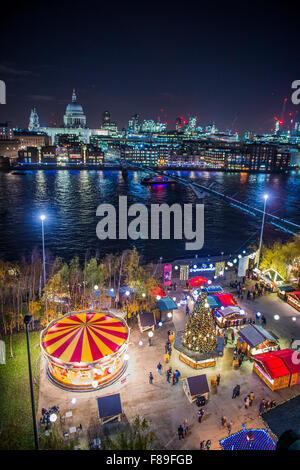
(84, 337)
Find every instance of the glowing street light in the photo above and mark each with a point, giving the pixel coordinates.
(169, 315)
(53, 417)
(276, 317)
(294, 318)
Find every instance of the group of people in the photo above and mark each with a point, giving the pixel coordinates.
(172, 377)
(45, 419)
(266, 405)
(205, 445)
(257, 290)
(183, 429)
(248, 400)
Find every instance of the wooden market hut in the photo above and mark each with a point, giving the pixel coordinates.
(166, 305)
(226, 316)
(195, 387)
(253, 339)
(286, 355)
(109, 408)
(293, 298)
(146, 321)
(277, 369)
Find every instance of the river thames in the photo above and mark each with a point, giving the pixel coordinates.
(69, 199)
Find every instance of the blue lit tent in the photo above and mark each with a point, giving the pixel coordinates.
(249, 439)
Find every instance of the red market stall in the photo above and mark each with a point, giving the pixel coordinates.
(198, 281)
(85, 350)
(157, 291)
(277, 369)
(292, 362)
(226, 300)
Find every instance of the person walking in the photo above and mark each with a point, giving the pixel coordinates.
(159, 368)
(184, 428)
(202, 445)
(218, 379)
(150, 378)
(247, 402)
(208, 445)
(186, 424)
(180, 432)
(229, 427)
(173, 379)
(200, 415)
(232, 337)
(223, 421)
(169, 373)
(177, 375)
(262, 406)
(234, 392)
(251, 398)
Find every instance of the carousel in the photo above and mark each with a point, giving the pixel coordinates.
(85, 350)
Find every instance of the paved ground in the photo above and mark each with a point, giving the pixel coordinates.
(166, 405)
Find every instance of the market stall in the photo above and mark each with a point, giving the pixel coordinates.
(85, 350)
(278, 369)
(227, 316)
(253, 339)
(293, 298)
(221, 300)
(272, 370)
(146, 321)
(109, 408)
(195, 387)
(166, 306)
(198, 281)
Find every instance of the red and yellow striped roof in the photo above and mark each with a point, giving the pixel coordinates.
(84, 337)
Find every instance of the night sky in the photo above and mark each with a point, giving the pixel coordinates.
(229, 63)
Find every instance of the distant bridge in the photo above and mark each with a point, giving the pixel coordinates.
(200, 190)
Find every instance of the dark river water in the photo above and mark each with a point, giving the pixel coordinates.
(70, 198)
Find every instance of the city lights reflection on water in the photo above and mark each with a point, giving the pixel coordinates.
(70, 199)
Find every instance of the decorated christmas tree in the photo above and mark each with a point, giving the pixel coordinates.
(199, 334)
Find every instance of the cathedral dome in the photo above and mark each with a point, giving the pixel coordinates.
(74, 115)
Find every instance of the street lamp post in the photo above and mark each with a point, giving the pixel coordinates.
(43, 242)
(262, 229)
(27, 320)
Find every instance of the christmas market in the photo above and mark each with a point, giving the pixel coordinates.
(85, 350)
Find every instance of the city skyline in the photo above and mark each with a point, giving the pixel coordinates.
(222, 64)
